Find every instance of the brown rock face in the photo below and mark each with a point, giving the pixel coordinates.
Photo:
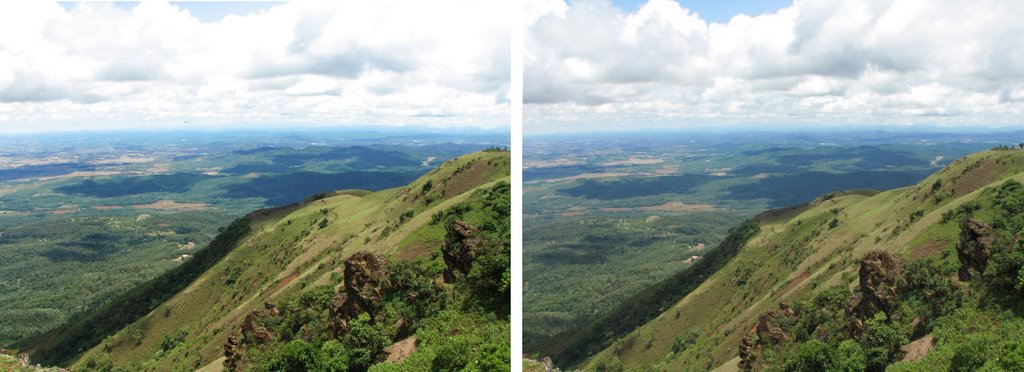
(766, 330)
(400, 350)
(749, 352)
(232, 352)
(880, 278)
(974, 247)
(459, 249)
(253, 330)
(366, 275)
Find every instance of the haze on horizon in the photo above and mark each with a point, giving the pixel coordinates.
(155, 65)
(599, 65)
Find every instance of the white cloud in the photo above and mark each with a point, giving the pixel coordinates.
(589, 64)
(438, 63)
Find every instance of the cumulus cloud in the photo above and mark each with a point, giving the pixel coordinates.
(439, 63)
(816, 62)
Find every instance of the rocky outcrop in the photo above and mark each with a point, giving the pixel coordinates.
(232, 352)
(765, 331)
(880, 279)
(400, 350)
(767, 328)
(918, 349)
(459, 249)
(252, 331)
(366, 276)
(974, 247)
(749, 352)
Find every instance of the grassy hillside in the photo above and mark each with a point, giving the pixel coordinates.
(294, 258)
(811, 259)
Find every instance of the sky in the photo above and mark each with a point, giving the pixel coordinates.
(603, 65)
(181, 65)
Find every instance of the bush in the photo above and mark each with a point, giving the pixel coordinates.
(969, 355)
(850, 357)
(317, 299)
(680, 343)
(297, 355)
(454, 355)
(334, 356)
(169, 342)
(366, 341)
(813, 355)
(882, 342)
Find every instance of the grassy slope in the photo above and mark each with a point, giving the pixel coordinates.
(794, 256)
(288, 250)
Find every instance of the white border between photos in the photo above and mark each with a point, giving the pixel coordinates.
(516, 126)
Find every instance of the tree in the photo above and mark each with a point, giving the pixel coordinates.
(882, 342)
(297, 355)
(812, 355)
(366, 342)
(969, 355)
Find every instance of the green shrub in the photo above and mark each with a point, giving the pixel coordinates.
(334, 356)
(366, 342)
(454, 355)
(297, 355)
(882, 342)
(850, 357)
(681, 342)
(813, 355)
(169, 342)
(969, 355)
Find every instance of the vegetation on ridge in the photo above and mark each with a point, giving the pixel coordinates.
(920, 278)
(347, 280)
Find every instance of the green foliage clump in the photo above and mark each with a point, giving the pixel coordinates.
(813, 355)
(882, 342)
(169, 342)
(680, 343)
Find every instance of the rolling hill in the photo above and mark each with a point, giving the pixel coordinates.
(414, 276)
(925, 277)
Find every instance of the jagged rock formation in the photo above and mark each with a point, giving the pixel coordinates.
(749, 352)
(974, 248)
(879, 281)
(253, 331)
(232, 352)
(459, 249)
(766, 330)
(366, 276)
